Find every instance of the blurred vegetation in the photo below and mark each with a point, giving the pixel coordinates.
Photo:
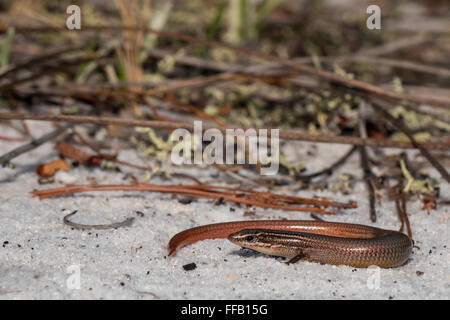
(149, 76)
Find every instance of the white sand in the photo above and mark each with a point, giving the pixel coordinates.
(36, 249)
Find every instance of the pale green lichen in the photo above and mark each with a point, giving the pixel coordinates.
(154, 145)
(167, 64)
(292, 167)
(344, 183)
(397, 85)
(417, 121)
(419, 137)
(418, 186)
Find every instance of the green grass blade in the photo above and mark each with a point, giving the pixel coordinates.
(6, 48)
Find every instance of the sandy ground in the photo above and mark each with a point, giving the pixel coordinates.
(40, 258)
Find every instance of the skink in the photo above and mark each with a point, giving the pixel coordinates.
(325, 242)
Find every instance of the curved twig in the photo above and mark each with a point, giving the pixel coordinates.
(125, 223)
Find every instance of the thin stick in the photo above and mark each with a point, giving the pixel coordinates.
(234, 67)
(249, 197)
(125, 223)
(369, 177)
(30, 63)
(292, 199)
(398, 207)
(329, 169)
(172, 125)
(12, 139)
(397, 44)
(405, 213)
(33, 144)
(316, 217)
(399, 195)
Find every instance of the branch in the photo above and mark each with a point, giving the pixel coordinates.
(33, 144)
(172, 125)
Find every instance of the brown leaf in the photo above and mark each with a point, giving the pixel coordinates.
(49, 169)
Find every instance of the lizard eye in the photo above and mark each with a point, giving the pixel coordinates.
(250, 239)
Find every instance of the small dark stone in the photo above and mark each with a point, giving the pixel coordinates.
(140, 213)
(185, 200)
(219, 201)
(189, 267)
